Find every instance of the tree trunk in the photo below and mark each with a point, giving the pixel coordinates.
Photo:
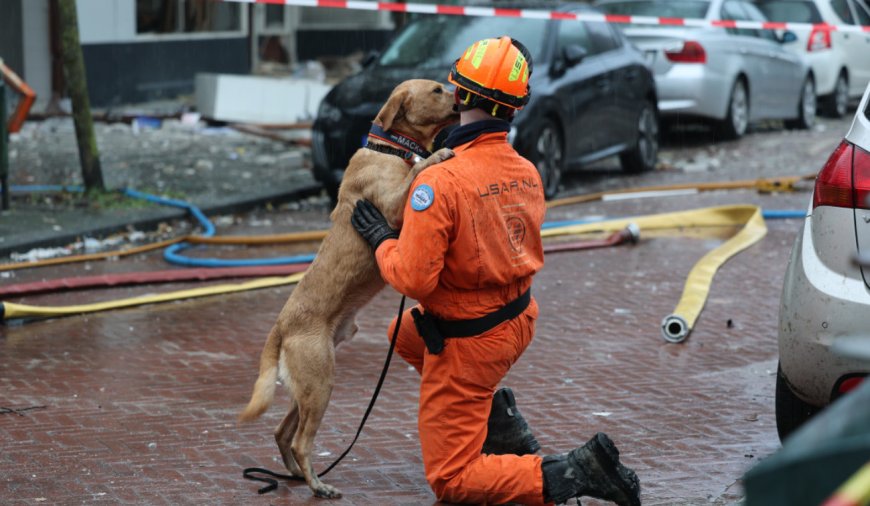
(77, 86)
(4, 149)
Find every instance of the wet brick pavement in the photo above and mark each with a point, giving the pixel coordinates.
(140, 404)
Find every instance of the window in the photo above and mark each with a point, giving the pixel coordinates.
(434, 42)
(789, 11)
(863, 15)
(603, 37)
(572, 32)
(327, 19)
(732, 11)
(841, 7)
(756, 15)
(187, 16)
(669, 9)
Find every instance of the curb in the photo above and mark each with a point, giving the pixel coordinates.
(230, 205)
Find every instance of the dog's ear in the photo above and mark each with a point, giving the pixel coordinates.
(392, 110)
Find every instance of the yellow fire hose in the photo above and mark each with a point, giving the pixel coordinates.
(25, 311)
(676, 326)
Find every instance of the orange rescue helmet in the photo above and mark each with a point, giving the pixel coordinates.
(497, 69)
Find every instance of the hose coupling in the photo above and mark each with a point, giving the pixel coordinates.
(675, 329)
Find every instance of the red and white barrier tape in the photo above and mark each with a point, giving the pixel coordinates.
(458, 10)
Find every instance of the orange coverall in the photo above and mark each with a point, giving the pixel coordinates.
(473, 247)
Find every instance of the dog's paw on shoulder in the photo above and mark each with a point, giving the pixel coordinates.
(442, 155)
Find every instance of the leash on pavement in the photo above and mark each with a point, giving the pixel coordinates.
(248, 473)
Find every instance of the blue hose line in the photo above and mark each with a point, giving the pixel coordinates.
(200, 217)
(173, 255)
(777, 214)
(34, 188)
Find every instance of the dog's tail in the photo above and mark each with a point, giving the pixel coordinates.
(264, 389)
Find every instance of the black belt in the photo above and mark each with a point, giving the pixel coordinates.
(435, 330)
(477, 326)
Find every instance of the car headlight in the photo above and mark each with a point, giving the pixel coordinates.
(329, 112)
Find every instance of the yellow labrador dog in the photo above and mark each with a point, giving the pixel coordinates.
(344, 276)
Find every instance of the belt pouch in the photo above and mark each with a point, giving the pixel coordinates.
(428, 331)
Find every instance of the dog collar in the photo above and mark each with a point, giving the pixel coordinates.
(411, 146)
(406, 156)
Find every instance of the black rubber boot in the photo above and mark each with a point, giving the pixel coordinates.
(593, 470)
(507, 432)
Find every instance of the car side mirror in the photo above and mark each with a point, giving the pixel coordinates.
(571, 55)
(370, 58)
(787, 36)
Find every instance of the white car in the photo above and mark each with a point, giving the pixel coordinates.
(826, 295)
(733, 76)
(840, 59)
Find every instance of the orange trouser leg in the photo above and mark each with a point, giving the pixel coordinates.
(455, 399)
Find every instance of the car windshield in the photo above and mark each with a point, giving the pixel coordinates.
(669, 9)
(790, 11)
(436, 41)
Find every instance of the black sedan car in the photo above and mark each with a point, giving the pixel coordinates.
(592, 93)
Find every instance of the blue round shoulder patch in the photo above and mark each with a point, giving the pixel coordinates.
(422, 197)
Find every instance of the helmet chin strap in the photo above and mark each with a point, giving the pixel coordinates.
(474, 101)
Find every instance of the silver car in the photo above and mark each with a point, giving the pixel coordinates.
(733, 76)
(826, 297)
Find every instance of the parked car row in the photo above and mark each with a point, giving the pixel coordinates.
(600, 90)
(730, 75)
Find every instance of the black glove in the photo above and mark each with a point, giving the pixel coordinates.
(371, 224)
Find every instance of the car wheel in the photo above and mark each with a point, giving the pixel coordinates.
(835, 104)
(642, 157)
(791, 411)
(547, 153)
(737, 121)
(806, 107)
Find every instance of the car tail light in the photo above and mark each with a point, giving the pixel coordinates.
(849, 384)
(861, 167)
(691, 52)
(820, 38)
(834, 182)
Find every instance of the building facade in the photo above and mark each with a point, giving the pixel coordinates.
(140, 50)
